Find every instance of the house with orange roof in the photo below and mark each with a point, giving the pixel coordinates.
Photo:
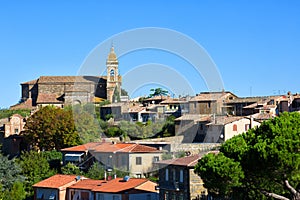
(55, 187)
(126, 189)
(79, 155)
(136, 159)
(177, 179)
(72, 187)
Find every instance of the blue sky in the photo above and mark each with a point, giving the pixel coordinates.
(254, 44)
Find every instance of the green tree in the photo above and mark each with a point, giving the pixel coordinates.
(54, 159)
(87, 125)
(51, 128)
(265, 160)
(17, 192)
(35, 167)
(10, 172)
(5, 113)
(169, 127)
(70, 168)
(158, 92)
(96, 171)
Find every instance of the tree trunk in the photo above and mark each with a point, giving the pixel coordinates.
(295, 194)
(275, 196)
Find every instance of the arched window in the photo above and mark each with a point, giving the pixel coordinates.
(112, 72)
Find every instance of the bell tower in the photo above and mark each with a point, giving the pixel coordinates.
(113, 79)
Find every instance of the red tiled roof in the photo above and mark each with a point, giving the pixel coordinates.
(118, 185)
(124, 147)
(69, 79)
(47, 98)
(87, 184)
(56, 181)
(222, 120)
(24, 105)
(189, 161)
(83, 147)
(112, 186)
(112, 147)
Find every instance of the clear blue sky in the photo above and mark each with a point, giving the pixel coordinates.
(255, 44)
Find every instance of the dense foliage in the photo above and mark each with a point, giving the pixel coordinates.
(51, 128)
(9, 172)
(158, 92)
(5, 113)
(35, 167)
(259, 164)
(86, 123)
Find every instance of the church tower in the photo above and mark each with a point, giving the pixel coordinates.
(113, 79)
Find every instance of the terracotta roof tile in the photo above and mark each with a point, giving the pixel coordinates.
(222, 120)
(69, 79)
(189, 161)
(56, 181)
(87, 184)
(112, 147)
(27, 104)
(48, 98)
(83, 147)
(124, 147)
(118, 185)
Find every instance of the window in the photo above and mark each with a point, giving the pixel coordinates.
(155, 159)
(247, 126)
(138, 160)
(234, 127)
(167, 174)
(16, 131)
(181, 176)
(112, 72)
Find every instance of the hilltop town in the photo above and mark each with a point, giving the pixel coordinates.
(144, 148)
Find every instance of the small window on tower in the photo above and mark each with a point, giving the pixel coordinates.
(112, 72)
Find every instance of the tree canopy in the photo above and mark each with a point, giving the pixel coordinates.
(51, 128)
(35, 167)
(158, 92)
(259, 164)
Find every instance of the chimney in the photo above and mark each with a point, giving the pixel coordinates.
(251, 121)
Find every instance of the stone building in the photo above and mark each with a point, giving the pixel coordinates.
(66, 90)
(10, 139)
(177, 179)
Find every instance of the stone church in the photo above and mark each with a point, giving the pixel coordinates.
(69, 90)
